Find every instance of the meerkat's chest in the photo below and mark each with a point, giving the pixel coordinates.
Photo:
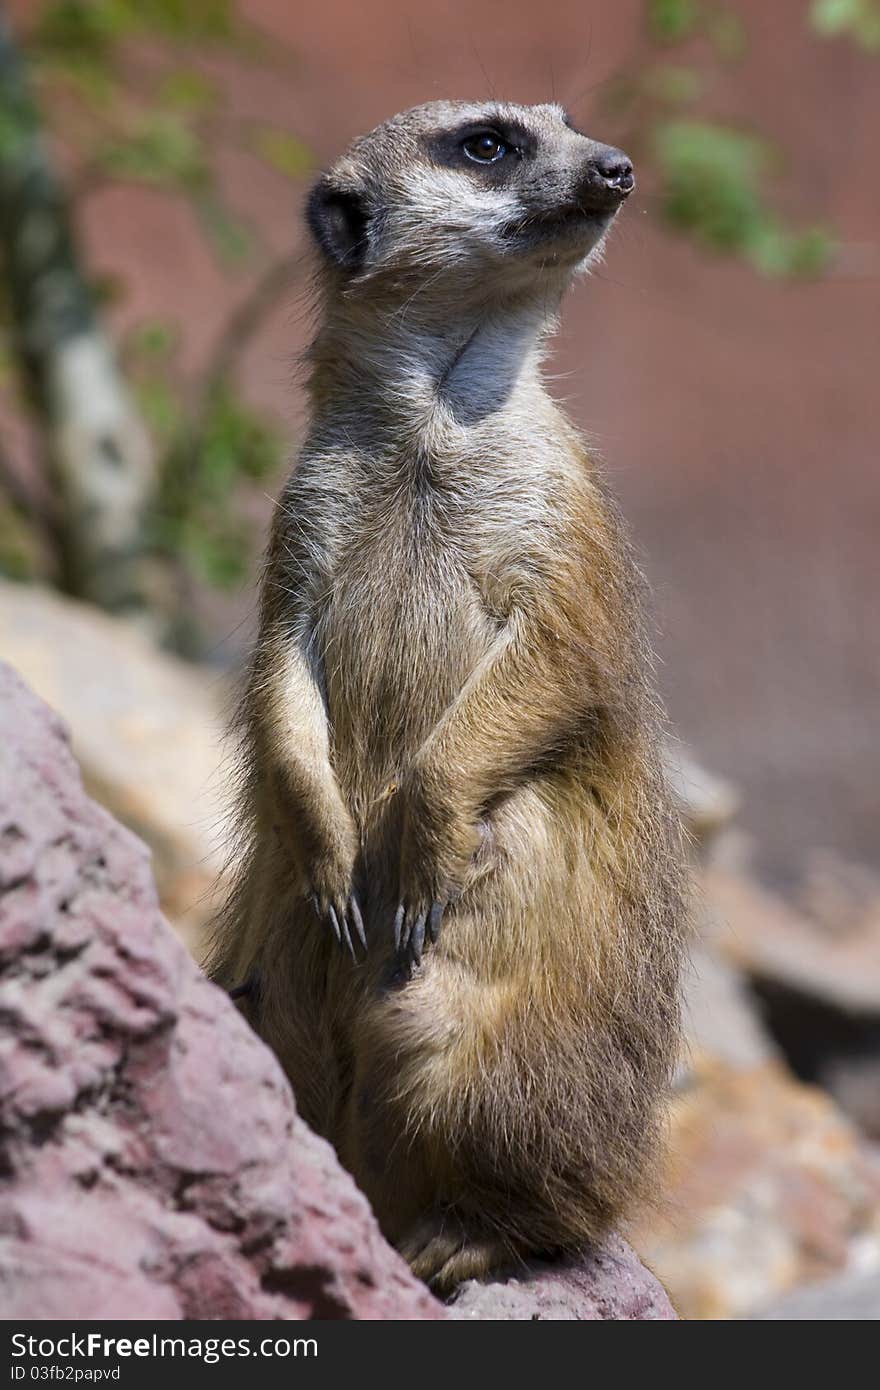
(403, 625)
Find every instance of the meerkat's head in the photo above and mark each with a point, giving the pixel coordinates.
(491, 194)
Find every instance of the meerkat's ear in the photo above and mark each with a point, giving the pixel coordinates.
(338, 222)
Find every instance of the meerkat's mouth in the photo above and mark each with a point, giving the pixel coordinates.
(569, 223)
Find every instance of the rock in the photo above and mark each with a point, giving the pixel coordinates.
(721, 1018)
(814, 972)
(707, 803)
(154, 1163)
(610, 1284)
(146, 730)
(763, 936)
(852, 1297)
(840, 897)
(766, 1186)
(853, 1078)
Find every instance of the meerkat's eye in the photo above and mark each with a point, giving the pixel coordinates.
(485, 147)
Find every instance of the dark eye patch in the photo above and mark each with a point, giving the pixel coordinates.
(447, 147)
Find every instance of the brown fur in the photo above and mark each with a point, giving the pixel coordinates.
(450, 699)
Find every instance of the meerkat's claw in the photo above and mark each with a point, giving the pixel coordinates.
(435, 921)
(417, 937)
(406, 930)
(398, 927)
(357, 920)
(346, 935)
(334, 922)
(412, 926)
(341, 920)
(406, 925)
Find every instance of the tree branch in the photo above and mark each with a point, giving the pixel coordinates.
(97, 452)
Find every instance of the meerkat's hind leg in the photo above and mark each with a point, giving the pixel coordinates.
(443, 1252)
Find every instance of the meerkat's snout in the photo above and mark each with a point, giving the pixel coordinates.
(608, 178)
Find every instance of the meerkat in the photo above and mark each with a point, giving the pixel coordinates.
(460, 886)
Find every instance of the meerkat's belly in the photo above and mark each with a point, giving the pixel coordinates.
(402, 630)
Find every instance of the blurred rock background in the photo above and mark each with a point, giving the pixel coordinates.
(153, 307)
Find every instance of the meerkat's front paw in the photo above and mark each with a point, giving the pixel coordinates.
(436, 853)
(412, 922)
(343, 915)
(429, 882)
(330, 889)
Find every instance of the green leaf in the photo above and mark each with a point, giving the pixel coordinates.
(675, 85)
(13, 135)
(711, 188)
(161, 149)
(859, 19)
(220, 553)
(727, 33)
(671, 21)
(282, 151)
(8, 362)
(90, 78)
(153, 341)
(160, 407)
(189, 91)
(186, 19)
(88, 29)
(237, 441)
(711, 178)
(777, 252)
(19, 547)
(231, 239)
(202, 473)
(108, 289)
(834, 16)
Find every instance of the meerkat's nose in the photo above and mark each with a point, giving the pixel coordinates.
(615, 168)
(608, 177)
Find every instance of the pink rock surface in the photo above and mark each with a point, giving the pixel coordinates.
(154, 1164)
(610, 1285)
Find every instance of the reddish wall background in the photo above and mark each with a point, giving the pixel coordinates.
(739, 417)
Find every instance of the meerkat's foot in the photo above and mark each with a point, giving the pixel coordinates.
(418, 918)
(343, 918)
(410, 927)
(442, 1252)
